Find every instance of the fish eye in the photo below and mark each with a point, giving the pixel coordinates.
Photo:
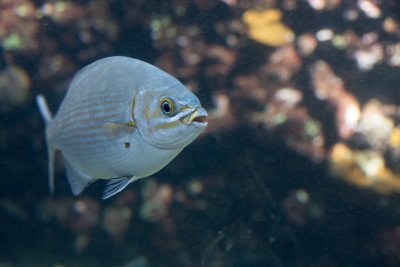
(167, 106)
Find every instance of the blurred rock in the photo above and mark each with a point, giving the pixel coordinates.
(79, 215)
(19, 26)
(157, 200)
(14, 88)
(327, 86)
(116, 221)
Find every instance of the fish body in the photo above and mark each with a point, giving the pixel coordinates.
(121, 119)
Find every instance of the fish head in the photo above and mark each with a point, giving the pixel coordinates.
(170, 116)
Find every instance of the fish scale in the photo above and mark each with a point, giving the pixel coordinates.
(113, 124)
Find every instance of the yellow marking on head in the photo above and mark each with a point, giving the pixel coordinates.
(155, 114)
(167, 125)
(184, 108)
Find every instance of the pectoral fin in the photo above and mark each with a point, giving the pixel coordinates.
(116, 185)
(115, 130)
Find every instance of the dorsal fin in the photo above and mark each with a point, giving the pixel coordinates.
(44, 108)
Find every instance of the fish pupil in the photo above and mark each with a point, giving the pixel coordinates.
(127, 145)
(166, 108)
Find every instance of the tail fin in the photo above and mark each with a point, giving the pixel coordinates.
(47, 116)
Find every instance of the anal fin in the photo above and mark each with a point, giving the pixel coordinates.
(77, 180)
(116, 185)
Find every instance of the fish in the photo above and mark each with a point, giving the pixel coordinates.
(122, 119)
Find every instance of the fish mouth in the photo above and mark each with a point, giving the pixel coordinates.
(197, 117)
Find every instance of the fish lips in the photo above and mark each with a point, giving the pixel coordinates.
(197, 117)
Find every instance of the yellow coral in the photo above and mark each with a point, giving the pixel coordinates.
(365, 169)
(266, 27)
(395, 138)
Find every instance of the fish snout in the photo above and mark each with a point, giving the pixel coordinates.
(197, 117)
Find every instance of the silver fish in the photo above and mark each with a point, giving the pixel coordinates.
(122, 119)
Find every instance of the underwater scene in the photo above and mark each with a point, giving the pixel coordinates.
(295, 161)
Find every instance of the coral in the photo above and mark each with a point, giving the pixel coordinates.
(365, 169)
(266, 27)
